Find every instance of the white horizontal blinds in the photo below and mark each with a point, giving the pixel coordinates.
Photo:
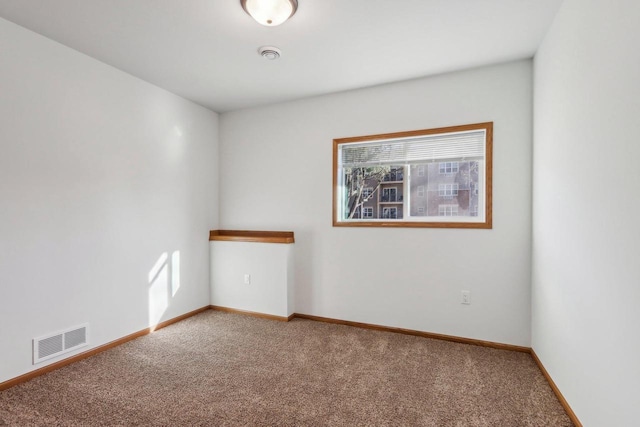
(447, 146)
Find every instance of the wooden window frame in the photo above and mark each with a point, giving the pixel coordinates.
(407, 222)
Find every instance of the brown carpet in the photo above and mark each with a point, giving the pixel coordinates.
(220, 369)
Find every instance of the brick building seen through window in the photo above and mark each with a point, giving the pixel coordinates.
(435, 189)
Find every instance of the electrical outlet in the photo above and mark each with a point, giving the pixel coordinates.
(247, 279)
(466, 297)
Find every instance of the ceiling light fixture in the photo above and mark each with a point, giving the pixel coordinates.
(270, 12)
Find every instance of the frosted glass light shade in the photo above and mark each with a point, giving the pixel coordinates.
(270, 12)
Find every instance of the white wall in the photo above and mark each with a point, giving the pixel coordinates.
(100, 174)
(586, 271)
(270, 270)
(276, 174)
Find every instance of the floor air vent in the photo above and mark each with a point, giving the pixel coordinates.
(62, 342)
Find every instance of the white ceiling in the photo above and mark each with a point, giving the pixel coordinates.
(206, 50)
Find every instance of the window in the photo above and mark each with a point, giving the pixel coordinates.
(453, 161)
(447, 190)
(366, 193)
(367, 212)
(395, 174)
(448, 167)
(448, 210)
(389, 195)
(390, 213)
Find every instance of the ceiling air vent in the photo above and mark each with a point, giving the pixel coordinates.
(269, 52)
(59, 343)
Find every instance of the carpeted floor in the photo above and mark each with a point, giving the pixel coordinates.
(220, 369)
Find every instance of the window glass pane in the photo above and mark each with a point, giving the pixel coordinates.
(371, 186)
(459, 189)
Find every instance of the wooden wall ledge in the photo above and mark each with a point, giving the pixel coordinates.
(252, 236)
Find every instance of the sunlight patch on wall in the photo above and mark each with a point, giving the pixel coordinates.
(158, 295)
(160, 263)
(164, 284)
(175, 272)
